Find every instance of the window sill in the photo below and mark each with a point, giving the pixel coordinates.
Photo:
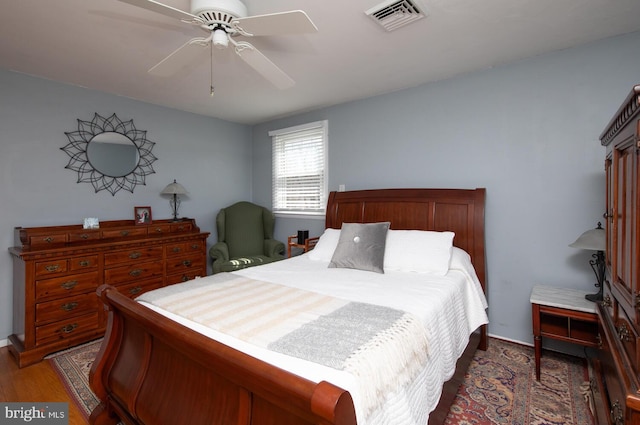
(309, 216)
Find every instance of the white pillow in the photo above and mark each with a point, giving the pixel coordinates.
(323, 251)
(418, 251)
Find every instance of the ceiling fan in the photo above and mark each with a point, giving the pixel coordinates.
(224, 20)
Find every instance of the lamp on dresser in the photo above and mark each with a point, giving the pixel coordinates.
(174, 189)
(594, 240)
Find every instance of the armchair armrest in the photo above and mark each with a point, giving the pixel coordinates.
(273, 248)
(219, 252)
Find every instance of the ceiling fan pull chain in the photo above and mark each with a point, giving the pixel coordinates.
(211, 89)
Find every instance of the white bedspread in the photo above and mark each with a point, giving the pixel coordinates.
(450, 307)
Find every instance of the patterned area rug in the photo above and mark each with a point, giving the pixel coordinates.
(500, 386)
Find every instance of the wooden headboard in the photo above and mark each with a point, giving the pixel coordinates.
(458, 210)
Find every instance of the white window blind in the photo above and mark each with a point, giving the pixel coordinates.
(300, 169)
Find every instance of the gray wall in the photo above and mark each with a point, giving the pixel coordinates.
(210, 157)
(528, 132)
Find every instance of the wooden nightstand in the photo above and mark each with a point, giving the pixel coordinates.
(562, 314)
(308, 245)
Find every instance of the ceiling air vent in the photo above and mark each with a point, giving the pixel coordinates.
(394, 14)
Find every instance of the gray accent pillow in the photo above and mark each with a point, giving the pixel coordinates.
(361, 246)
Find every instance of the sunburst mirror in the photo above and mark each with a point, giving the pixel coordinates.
(109, 153)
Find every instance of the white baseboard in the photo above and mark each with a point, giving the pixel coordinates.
(515, 341)
(4, 342)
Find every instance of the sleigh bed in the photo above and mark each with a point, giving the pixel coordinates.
(156, 368)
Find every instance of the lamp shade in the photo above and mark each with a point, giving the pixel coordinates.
(593, 239)
(174, 189)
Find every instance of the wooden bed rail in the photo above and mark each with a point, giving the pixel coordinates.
(152, 370)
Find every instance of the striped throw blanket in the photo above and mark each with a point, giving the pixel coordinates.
(382, 347)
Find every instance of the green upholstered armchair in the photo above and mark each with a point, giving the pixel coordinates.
(245, 238)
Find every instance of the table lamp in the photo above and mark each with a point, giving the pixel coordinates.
(174, 189)
(594, 240)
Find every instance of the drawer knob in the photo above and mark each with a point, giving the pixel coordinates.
(134, 255)
(186, 263)
(69, 328)
(84, 263)
(84, 236)
(48, 239)
(616, 414)
(176, 249)
(124, 233)
(195, 246)
(185, 278)
(623, 333)
(135, 272)
(159, 229)
(70, 284)
(69, 306)
(52, 267)
(135, 290)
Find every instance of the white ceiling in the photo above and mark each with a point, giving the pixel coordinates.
(109, 45)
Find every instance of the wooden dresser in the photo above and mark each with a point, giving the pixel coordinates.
(56, 271)
(618, 366)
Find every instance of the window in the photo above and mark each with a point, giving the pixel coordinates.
(300, 169)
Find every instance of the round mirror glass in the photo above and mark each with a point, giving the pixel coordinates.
(112, 154)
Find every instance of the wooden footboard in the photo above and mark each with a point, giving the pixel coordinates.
(151, 370)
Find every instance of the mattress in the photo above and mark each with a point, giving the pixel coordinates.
(450, 308)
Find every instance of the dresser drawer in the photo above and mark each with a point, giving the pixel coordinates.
(44, 239)
(182, 248)
(183, 226)
(66, 286)
(184, 264)
(159, 229)
(133, 255)
(65, 308)
(615, 390)
(49, 267)
(124, 233)
(133, 272)
(135, 289)
(83, 263)
(67, 328)
(184, 276)
(86, 235)
(628, 337)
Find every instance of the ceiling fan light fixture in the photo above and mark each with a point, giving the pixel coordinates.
(220, 39)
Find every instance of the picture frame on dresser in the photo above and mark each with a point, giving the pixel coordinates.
(142, 215)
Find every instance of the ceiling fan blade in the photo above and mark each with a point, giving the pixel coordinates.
(181, 57)
(270, 71)
(292, 22)
(164, 9)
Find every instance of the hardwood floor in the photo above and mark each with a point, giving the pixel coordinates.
(37, 383)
